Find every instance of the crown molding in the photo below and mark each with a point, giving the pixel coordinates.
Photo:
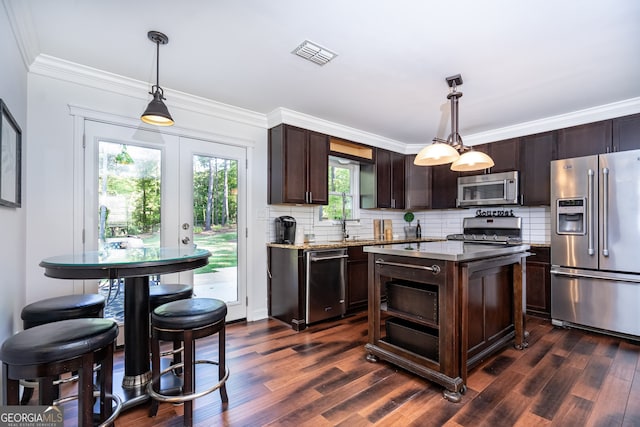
(19, 17)
(575, 118)
(63, 70)
(290, 117)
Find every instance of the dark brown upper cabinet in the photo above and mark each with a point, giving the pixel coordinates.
(298, 162)
(417, 184)
(505, 155)
(585, 140)
(444, 187)
(536, 153)
(626, 133)
(383, 188)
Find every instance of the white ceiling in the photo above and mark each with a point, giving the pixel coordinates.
(520, 60)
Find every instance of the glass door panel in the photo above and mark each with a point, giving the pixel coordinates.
(129, 200)
(215, 218)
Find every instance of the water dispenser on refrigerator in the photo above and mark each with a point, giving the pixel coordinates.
(571, 216)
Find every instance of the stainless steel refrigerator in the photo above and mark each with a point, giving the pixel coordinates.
(595, 242)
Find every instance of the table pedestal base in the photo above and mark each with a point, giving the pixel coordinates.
(135, 381)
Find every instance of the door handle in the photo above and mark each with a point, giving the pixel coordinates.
(186, 241)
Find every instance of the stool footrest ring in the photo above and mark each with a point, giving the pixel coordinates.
(72, 378)
(184, 397)
(171, 352)
(113, 397)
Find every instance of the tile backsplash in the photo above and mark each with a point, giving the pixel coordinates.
(536, 222)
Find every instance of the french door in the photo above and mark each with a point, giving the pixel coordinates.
(152, 189)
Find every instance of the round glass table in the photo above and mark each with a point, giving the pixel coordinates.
(134, 265)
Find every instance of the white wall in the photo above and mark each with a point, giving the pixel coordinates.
(54, 172)
(13, 91)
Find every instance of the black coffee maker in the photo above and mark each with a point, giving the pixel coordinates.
(285, 230)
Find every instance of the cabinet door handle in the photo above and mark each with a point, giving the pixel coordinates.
(310, 197)
(435, 269)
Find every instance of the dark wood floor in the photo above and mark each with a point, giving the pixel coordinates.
(319, 378)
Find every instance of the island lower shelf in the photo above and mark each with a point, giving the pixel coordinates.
(440, 318)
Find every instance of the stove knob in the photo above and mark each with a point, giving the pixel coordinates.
(495, 237)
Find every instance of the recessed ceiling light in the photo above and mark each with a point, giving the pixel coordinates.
(314, 53)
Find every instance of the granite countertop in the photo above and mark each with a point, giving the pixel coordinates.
(447, 250)
(351, 242)
(370, 242)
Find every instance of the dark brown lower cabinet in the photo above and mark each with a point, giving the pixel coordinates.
(286, 286)
(539, 282)
(357, 285)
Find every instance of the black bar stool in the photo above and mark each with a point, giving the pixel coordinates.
(53, 310)
(162, 294)
(187, 320)
(47, 351)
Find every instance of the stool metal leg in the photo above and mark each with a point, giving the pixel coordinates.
(188, 386)
(85, 391)
(47, 393)
(27, 394)
(155, 371)
(106, 383)
(222, 364)
(12, 395)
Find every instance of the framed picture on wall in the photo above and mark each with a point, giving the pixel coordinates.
(10, 159)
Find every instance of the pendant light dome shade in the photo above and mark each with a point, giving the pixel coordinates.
(442, 152)
(472, 161)
(157, 112)
(438, 153)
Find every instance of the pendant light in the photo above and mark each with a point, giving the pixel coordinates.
(157, 113)
(442, 151)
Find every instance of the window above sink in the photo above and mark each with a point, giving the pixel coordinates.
(343, 178)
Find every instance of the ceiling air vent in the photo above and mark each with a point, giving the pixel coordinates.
(314, 53)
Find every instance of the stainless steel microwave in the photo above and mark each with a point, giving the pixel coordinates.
(492, 189)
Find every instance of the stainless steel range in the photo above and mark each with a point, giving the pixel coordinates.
(504, 230)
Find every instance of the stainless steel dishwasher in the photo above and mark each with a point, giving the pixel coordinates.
(325, 284)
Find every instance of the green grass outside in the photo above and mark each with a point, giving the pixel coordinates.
(222, 245)
(223, 248)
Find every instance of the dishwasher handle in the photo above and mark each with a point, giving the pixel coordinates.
(325, 258)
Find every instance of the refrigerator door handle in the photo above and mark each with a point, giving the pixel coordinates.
(590, 206)
(605, 212)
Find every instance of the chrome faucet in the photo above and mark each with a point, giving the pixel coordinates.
(345, 235)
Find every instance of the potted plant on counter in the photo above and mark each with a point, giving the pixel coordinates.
(409, 230)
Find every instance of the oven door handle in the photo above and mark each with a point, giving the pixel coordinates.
(435, 269)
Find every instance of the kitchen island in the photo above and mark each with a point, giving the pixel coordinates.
(438, 309)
